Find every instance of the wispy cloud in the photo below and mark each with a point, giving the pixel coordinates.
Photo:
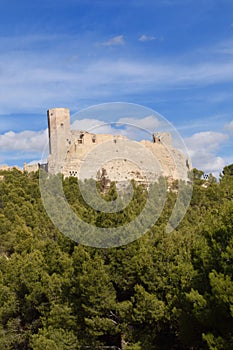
(32, 86)
(116, 40)
(32, 81)
(144, 38)
(203, 123)
(223, 48)
(229, 127)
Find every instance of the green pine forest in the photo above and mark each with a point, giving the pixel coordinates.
(164, 291)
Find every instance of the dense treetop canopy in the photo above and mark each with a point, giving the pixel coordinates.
(163, 291)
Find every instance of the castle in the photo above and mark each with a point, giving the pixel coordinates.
(70, 149)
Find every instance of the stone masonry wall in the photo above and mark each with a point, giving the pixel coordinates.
(69, 148)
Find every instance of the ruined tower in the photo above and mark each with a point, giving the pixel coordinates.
(59, 131)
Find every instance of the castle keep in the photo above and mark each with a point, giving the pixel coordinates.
(69, 149)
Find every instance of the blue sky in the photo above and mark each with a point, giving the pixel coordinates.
(174, 56)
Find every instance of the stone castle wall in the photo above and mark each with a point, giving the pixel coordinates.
(69, 149)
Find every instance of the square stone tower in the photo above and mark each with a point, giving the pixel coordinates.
(59, 133)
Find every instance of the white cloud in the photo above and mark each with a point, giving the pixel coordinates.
(203, 147)
(207, 139)
(149, 123)
(116, 40)
(93, 126)
(144, 38)
(29, 141)
(132, 128)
